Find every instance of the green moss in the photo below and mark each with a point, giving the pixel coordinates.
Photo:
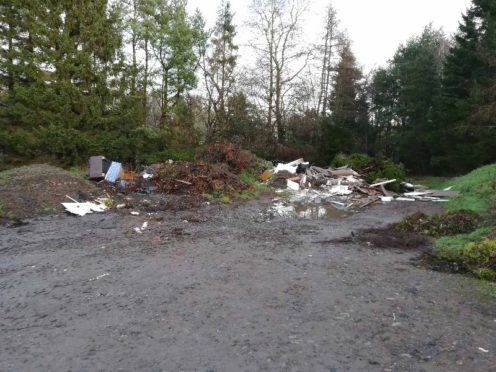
(208, 196)
(224, 199)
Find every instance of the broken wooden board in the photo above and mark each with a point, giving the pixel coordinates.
(383, 183)
(443, 194)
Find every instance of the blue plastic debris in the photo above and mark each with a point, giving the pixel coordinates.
(113, 172)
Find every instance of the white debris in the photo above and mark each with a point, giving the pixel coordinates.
(340, 190)
(483, 350)
(295, 186)
(383, 183)
(387, 199)
(100, 276)
(417, 193)
(82, 209)
(405, 199)
(285, 167)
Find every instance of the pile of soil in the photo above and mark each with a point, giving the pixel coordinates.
(197, 178)
(386, 239)
(39, 189)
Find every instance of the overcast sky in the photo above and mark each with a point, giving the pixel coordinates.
(376, 27)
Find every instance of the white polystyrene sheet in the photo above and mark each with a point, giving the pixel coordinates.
(285, 167)
(82, 209)
(79, 209)
(97, 207)
(340, 190)
(295, 186)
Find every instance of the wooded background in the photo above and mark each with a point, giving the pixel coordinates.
(142, 81)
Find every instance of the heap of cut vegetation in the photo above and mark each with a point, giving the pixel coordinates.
(451, 223)
(236, 158)
(197, 178)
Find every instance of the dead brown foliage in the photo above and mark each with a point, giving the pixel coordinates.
(197, 178)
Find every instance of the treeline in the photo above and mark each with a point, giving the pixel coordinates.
(142, 81)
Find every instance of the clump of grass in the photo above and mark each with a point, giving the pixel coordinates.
(450, 248)
(431, 182)
(80, 171)
(255, 187)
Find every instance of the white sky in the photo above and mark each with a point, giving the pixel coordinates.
(376, 27)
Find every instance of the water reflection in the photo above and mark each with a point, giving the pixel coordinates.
(310, 211)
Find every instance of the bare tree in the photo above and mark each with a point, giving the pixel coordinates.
(280, 57)
(333, 42)
(218, 65)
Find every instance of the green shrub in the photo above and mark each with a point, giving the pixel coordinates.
(480, 255)
(358, 162)
(372, 168)
(388, 170)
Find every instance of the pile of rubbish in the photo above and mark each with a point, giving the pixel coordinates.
(343, 187)
(171, 177)
(216, 174)
(183, 178)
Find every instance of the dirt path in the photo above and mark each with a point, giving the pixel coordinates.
(239, 292)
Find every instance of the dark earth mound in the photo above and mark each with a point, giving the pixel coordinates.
(39, 189)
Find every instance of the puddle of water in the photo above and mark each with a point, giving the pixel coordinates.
(309, 210)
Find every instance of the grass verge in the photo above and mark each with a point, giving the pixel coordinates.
(473, 250)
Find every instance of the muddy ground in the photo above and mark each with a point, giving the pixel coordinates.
(231, 288)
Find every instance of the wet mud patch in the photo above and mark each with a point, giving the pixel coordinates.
(309, 211)
(386, 239)
(428, 260)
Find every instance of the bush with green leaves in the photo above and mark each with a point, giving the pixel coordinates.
(480, 258)
(372, 168)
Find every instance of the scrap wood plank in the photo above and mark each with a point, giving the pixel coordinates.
(383, 183)
(443, 193)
